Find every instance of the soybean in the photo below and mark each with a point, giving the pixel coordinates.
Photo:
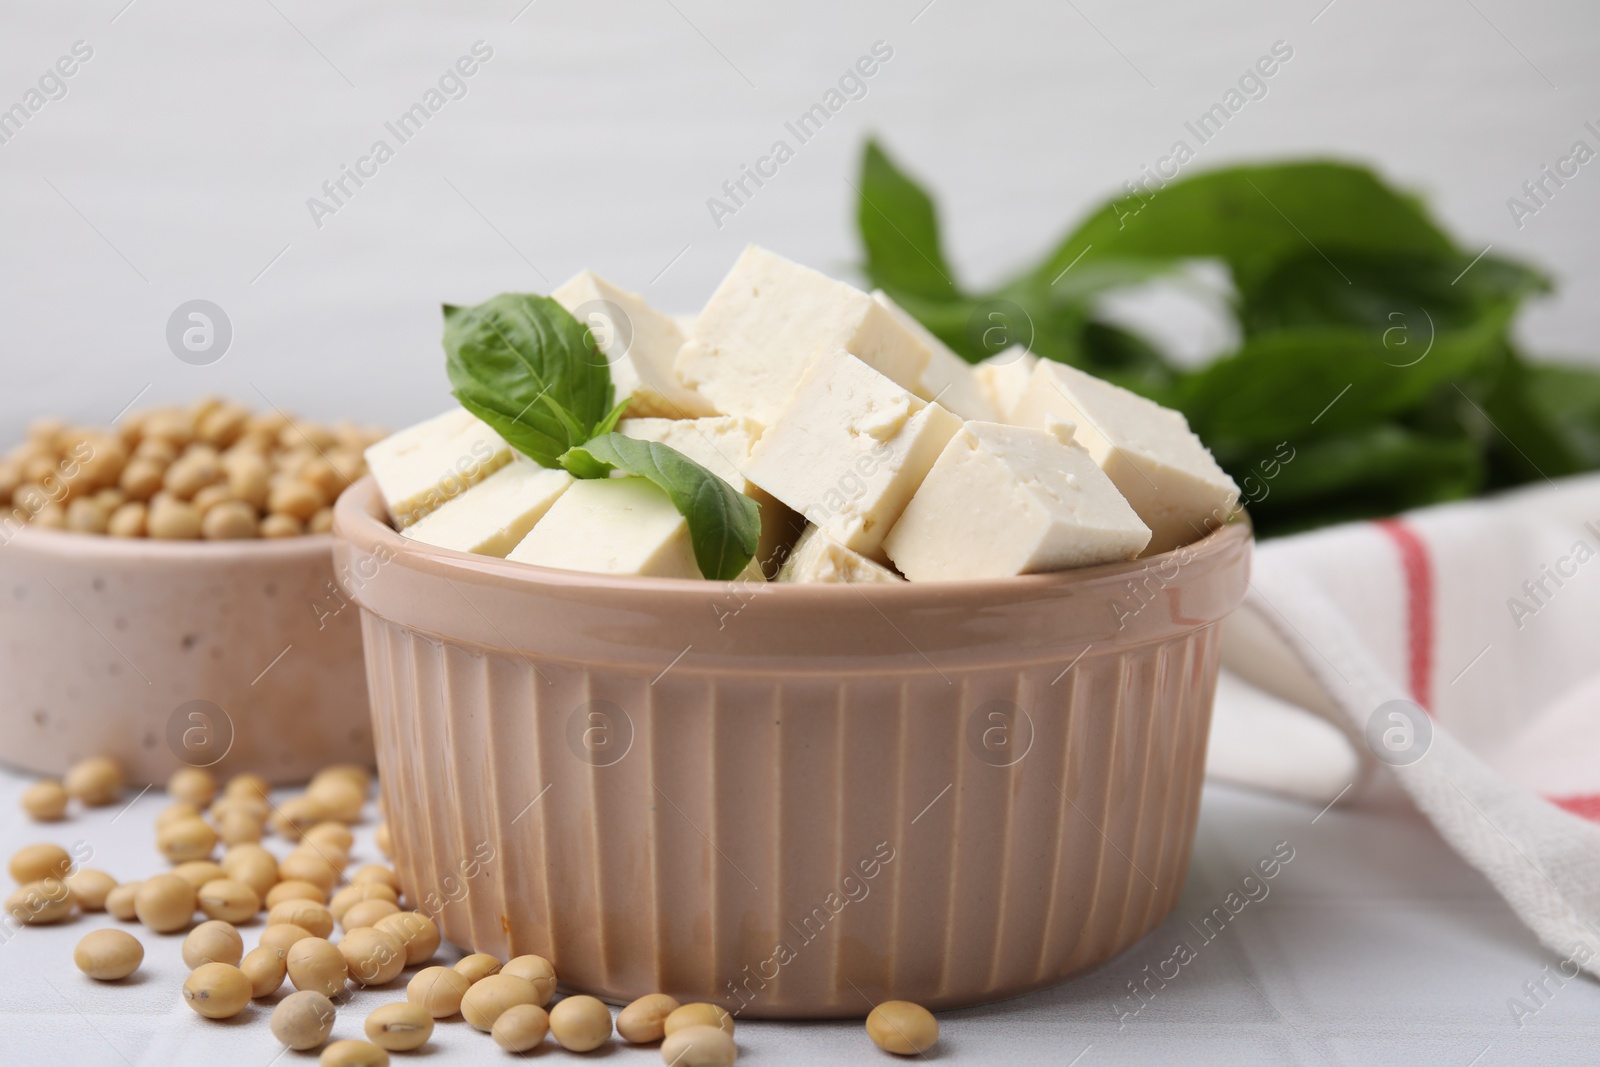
(699, 1046)
(303, 1020)
(186, 839)
(644, 1021)
(537, 970)
(478, 966)
(580, 1024)
(353, 1054)
(266, 969)
(45, 801)
(489, 997)
(91, 887)
(217, 990)
(416, 931)
(229, 900)
(315, 964)
(212, 942)
(193, 785)
(372, 956)
(700, 1014)
(438, 990)
(399, 1027)
(165, 903)
(108, 955)
(120, 901)
(902, 1027)
(95, 782)
(520, 1027)
(41, 903)
(33, 863)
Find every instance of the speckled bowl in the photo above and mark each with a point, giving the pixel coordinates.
(241, 656)
(795, 800)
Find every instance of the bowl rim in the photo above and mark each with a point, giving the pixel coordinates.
(71, 543)
(361, 523)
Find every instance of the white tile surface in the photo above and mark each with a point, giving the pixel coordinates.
(1374, 945)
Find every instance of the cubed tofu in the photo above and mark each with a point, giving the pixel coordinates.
(639, 342)
(493, 516)
(770, 318)
(421, 467)
(1006, 500)
(816, 557)
(612, 526)
(948, 378)
(849, 450)
(1004, 378)
(1147, 450)
(722, 444)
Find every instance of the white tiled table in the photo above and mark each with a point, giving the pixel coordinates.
(1375, 944)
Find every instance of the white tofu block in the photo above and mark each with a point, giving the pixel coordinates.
(1147, 450)
(719, 443)
(1004, 378)
(819, 558)
(766, 322)
(639, 342)
(612, 526)
(849, 450)
(722, 444)
(421, 467)
(1006, 500)
(948, 378)
(491, 517)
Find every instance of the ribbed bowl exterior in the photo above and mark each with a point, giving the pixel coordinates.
(807, 800)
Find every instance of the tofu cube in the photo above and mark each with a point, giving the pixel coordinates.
(1006, 500)
(421, 467)
(493, 516)
(1004, 378)
(639, 342)
(948, 378)
(816, 557)
(1147, 450)
(770, 318)
(612, 526)
(722, 444)
(849, 450)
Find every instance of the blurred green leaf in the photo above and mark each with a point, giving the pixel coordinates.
(1319, 380)
(1374, 350)
(1255, 217)
(900, 228)
(1369, 471)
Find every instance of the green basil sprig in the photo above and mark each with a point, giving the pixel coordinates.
(525, 366)
(724, 524)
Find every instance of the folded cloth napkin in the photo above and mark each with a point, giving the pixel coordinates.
(1454, 653)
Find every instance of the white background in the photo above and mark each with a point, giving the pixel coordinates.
(179, 164)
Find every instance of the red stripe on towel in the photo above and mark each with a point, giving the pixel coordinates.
(1585, 807)
(1419, 606)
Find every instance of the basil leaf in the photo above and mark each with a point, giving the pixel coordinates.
(1253, 218)
(724, 524)
(900, 229)
(1314, 381)
(525, 366)
(1368, 472)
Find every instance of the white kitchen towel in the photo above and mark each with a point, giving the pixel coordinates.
(1453, 652)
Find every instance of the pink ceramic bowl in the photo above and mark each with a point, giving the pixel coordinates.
(795, 800)
(239, 656)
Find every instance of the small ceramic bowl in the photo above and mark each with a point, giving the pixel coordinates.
(238, 656)
(793, 800)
